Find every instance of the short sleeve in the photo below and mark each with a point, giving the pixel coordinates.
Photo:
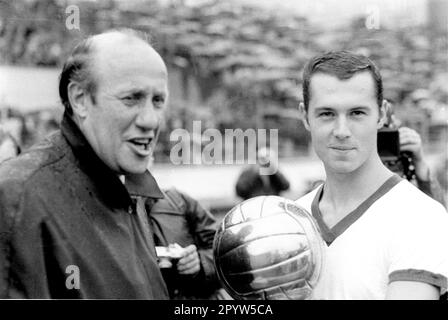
(419, 247)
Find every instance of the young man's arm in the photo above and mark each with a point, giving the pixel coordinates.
(418, 251)
(411, 290)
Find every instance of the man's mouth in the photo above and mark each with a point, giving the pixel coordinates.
(342, 148)
(142, 145)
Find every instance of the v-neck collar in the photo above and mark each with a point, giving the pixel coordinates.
(330, 234)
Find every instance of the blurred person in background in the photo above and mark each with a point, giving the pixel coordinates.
(182, 225)
(252, 182)
(421, 99)
(414, 163)
(425, 179)
(69, 228)
(442, 175)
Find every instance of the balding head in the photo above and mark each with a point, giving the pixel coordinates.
(118, 51)
(115, 87)
(108, 46)
(97, 53)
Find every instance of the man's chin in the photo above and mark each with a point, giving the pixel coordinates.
(135, 168)
(343, 168)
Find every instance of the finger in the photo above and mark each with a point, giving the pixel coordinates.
(406, 130)
(189, 267)
(190, 271)
(410, 139)
(408, 147)
(190, 249)
(185, 251)
(406, 137)
(187, 259)
(191, 257)
(410, 133)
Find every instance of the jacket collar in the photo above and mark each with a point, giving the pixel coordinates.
(143, 185)
(109, 186)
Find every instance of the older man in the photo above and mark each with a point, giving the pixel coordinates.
(68, 226)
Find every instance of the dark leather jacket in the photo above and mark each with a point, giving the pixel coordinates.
(65, 216)
(177, 218)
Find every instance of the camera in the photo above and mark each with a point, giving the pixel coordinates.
(388, 144)
(168, 256)
(397, 161)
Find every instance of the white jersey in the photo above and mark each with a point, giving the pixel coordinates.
(397, 234)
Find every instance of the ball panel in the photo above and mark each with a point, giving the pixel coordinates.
(250, 260)
(315, 240)
(272, 205)
(256, 208)
(297, 290)
(251, 209)
(262, 253)
(272, 276)
(233, 217)
(249, 231)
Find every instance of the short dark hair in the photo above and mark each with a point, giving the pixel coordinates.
(343, 65)
(78, 69)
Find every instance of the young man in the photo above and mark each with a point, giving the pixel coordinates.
(385, 238)
(68, 226)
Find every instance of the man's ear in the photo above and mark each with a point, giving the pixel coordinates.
(384, 111)
(304, 116)
(78, 99)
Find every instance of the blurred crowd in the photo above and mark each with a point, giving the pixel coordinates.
(236, 66)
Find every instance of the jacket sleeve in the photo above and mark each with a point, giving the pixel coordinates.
(202, 225)
(22, 265)
(6, 217)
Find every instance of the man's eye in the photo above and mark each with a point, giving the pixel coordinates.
(325, 114)
(130, 100)
(358, 113)
(159, 101)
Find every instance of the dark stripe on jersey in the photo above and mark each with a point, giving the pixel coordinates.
(330, 234)
(434, 279)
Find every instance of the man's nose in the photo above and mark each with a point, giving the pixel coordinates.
(148, 117)
(341, 129)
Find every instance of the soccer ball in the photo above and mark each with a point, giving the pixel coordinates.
(268, 248)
